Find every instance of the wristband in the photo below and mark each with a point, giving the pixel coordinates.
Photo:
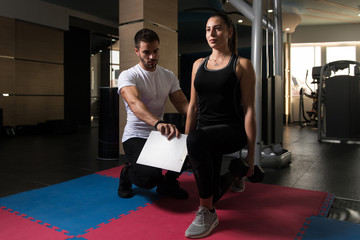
(158, 122)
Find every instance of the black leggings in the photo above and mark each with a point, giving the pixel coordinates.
(141, 175)
(206, 146)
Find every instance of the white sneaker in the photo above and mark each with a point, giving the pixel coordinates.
(238, 185)
(204, 222)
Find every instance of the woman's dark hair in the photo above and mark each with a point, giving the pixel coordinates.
(145, 35)
(228, 22)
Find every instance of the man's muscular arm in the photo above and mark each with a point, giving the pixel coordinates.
(132, 96)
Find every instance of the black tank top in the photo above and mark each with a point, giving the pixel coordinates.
(218, 95)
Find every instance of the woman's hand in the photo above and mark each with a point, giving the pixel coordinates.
(250, 163)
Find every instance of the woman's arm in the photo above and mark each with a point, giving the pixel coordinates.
(180, 102)
(191, 116)
(246, 74)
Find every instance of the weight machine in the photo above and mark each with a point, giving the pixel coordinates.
(339, 100)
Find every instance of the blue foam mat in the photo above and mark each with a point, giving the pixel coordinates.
(77, 205)
(320, 228)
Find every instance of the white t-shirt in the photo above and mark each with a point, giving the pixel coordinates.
(154, 88)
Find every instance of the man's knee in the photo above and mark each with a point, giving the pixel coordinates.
(146, 177)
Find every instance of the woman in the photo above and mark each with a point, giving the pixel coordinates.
(220, 117)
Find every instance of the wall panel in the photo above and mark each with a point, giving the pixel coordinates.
(32, 71)
(7, 37)
(7, 75)
(38, 43)
(162, 12)
(32, 110)
(39, 78)
(9, 112)
(130, 11)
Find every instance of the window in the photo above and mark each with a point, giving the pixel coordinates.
(303, 59)
(114, 63)
(105, 64)
(340, 53)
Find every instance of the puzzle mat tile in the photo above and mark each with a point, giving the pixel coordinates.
(77, 205)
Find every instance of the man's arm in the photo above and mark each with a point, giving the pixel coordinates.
(180, 102)
(132, 96)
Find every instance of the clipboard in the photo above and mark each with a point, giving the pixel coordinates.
(162, 153)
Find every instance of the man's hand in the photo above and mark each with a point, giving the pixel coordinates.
(168, 130)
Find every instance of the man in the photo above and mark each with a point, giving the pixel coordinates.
(145, 89)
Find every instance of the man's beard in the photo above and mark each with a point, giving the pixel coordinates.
(149, 65)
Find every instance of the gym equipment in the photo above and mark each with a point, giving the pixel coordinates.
(338, 101)
(312, 114)
(272, 127)
(239, 168)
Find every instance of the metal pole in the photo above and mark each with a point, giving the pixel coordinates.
(248, 12)
(256, 47)
(278, 52)
(244, 8)
(255, 15)
(278, 38)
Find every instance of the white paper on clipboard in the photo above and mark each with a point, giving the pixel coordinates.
(162, 153)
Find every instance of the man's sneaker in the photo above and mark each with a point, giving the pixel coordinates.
(204, 222)
(238, 185)
(171, 187)
(125, 186)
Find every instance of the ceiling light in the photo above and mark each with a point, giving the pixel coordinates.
(240, 21)
(6, 94)
(287, 29)
(270, 11)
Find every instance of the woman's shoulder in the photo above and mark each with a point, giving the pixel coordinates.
(243, 63)
(199, 61)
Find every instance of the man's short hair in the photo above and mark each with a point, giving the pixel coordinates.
(145, 35)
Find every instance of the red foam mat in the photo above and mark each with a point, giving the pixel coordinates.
(16, 226)
(112, 172)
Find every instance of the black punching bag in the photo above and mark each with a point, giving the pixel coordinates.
(108, 146)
